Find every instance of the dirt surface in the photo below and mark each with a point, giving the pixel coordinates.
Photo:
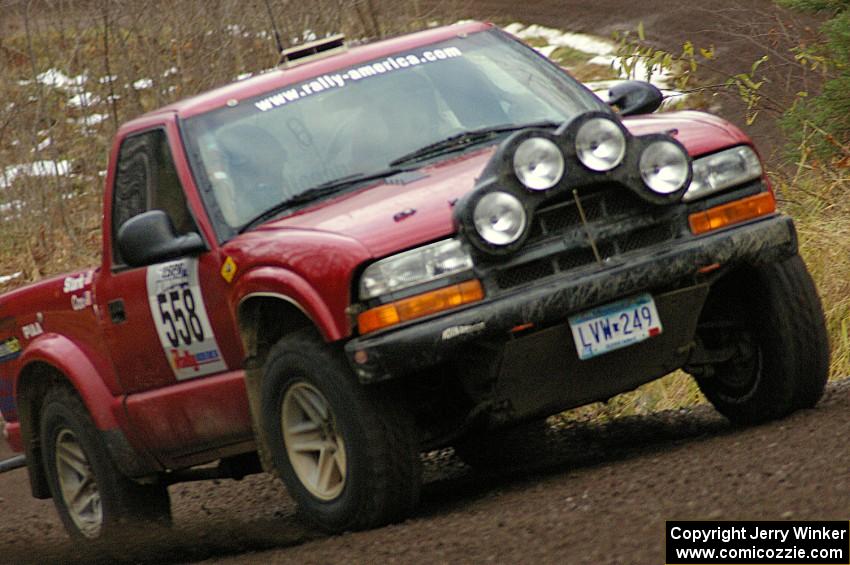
(590, 493)
(586, 494)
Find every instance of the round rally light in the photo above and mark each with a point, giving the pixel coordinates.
(600, 144)
(664, 167)
(538, 163)
(499, 218)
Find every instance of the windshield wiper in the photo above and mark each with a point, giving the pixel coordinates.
(465, 139)
(317, 192)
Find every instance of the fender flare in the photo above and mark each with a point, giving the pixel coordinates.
(288, 286)
(77, 367)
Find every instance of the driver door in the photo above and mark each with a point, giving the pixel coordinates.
(157, 320)
(168, 325)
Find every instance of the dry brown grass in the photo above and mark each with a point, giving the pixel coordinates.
(158, 52)
(818, 200)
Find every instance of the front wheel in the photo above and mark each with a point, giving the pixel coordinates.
(347, 454)
(767, 326)
(93, 499)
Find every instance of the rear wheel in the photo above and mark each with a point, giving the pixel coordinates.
(765, 329)
(93, 499)
(347, 454)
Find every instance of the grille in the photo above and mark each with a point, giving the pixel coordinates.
(563, 215)
(606, 209)
(522, 274)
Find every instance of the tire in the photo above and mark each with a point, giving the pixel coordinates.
(780, 321)
(487, 450)
(347, 454)
(75, 459)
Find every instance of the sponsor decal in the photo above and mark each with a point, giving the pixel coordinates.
(339, 80)
(82, 301)
(32, 330)
(7, 401)
(228, 269)
(182, 359)
(10, 348)
(77, 282)
(181, 320)
(456, 331)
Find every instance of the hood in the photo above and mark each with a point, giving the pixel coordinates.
(414, 208)
(399, 212)
(700, 133)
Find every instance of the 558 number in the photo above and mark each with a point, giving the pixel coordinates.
(177, 312)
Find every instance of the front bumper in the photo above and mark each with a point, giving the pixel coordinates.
(425, 343)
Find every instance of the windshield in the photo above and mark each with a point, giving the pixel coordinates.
(258, 155)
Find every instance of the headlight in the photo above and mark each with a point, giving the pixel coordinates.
(414, 267)
(664, 167)
(600, 144)
(538, 163)
(499, 218)
(723, 170)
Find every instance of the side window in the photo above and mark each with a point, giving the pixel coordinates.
(146, 179)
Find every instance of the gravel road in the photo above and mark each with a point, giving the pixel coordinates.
(588, 494)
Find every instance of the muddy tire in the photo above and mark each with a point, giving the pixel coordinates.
(347, 454)
(94, 500)
(775, 315)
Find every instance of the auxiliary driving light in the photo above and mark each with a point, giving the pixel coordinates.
(664, 167)
(600, 145)
(499, 218)
(538, 163)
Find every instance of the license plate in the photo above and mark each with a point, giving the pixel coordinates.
(615, 326)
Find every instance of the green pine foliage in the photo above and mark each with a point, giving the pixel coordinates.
(827, 113)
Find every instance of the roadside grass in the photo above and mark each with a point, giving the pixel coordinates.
(818, 200)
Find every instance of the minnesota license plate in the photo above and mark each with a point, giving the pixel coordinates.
(615, 326)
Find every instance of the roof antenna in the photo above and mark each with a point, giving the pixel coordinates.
(276, 32)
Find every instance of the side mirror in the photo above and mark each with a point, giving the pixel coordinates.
(150, 238)
(635, 97)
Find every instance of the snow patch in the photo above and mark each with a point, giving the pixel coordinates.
(603, 54)
(6, 278)
(58, 79)
(14, 205)
(143, 83)
(92, 120)
(34, 169)
(83, 99)
(559, 38)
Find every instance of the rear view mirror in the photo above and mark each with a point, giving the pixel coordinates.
(150, 238)
(635, 97)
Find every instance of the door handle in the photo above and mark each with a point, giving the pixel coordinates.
(116, 311)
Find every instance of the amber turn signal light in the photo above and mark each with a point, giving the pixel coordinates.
(732, 213)
(420, 305)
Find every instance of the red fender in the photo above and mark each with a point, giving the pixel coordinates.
(68, 358)
(277, 282)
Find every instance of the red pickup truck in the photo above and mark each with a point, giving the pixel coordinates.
(374, 251)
